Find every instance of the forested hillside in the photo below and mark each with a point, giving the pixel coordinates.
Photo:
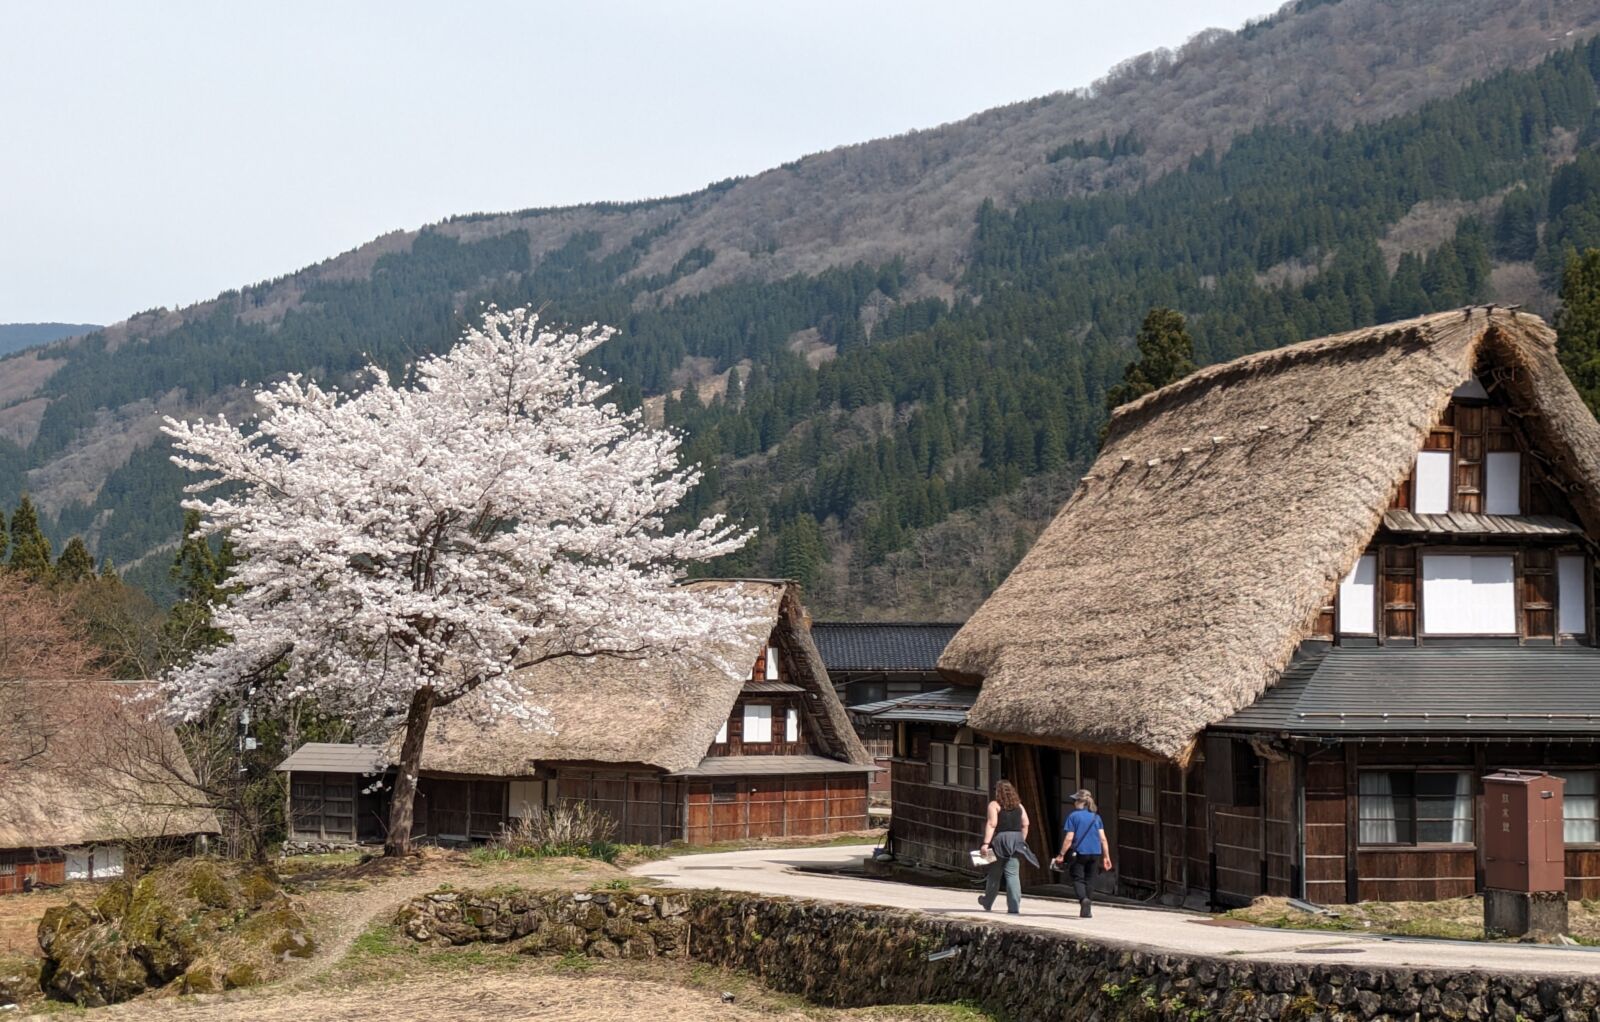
(16, 336)
(899, 408)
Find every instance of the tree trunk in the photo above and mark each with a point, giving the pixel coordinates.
(405, 782)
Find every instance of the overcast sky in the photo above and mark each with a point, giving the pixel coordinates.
(158, 153)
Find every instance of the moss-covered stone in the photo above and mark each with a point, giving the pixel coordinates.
(19, 979)
(199, 925)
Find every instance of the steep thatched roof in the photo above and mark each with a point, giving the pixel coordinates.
(1180, 577)
(81, 764)
(659, 711)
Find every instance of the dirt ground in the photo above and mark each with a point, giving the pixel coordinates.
(362, 969)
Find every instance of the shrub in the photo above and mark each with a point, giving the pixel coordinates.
(571, 828)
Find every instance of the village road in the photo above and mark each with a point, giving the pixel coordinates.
(781, 872)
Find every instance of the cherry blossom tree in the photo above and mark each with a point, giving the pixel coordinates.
(406, 546)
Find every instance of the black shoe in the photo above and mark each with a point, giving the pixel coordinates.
(1083, 910)
(984, 901)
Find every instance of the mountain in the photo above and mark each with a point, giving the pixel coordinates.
(16, 336)
(892, 357)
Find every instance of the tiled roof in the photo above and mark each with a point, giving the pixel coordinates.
(1432, 690)
(882, 645)
(946, 706)
(336, 758)
(770, 766)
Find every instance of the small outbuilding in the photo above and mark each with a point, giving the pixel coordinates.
(87, 778)
(747, 739)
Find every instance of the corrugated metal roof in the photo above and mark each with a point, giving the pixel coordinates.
(771, 766)
(1461, 523)
(946, 706)
(336, 758)
(882, 645)
(1433, 690)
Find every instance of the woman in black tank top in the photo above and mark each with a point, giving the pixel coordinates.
(1005, 836)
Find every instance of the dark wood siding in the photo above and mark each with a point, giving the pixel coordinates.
(647, 808)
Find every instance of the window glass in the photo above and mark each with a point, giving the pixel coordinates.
(936, 762)
(791, 725)
(757, 722)
(1358, 595)
(1580, 805)
(1414, 807)
(1430, 492)
(1502, 490)
(967, 774)
(1464, 595)
(1573, 595)
(772, 663)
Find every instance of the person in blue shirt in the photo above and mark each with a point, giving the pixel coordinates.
(1084, 847)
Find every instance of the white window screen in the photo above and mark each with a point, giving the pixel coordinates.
(1573, 595)
(108, 861)
(757, 723)
(78, 860)
(722, 732)
(1580, 806)
(936, 762)
(791, 725)
(1431, 492)
(772, 663)
(1358, 595)
(1502, 483)
(1468, 595)
(952, 765)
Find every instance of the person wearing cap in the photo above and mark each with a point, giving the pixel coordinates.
(1084, 848)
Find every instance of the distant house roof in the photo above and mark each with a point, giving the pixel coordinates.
(1186, 569)
(1432, 690)
(888, 646)
(660, 711)
(945, 706)
(86, 762)
(337, 758)
(771, 766)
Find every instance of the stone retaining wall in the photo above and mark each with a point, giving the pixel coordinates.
(850, 956)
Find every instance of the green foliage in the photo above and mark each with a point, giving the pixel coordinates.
(1166, 355)
(1578, 325)
(75, 565)
(30, 550)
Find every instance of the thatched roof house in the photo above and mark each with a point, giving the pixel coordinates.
(660, 711)
(82, 763)
(1179, 579)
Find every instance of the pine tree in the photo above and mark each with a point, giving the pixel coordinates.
(1166, 354)
(800, 553)
(201, 575)
(1578, 325)
(75, 565)
(30, 550)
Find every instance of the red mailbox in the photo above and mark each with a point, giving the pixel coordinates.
(1524, 849)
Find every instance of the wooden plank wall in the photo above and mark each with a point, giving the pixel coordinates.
(752, 807)
(934, 824)
(648, 809)
(1325, 827)
(46, 867)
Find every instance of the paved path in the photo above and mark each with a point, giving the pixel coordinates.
(779, 871)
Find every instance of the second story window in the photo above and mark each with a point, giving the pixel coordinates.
(1358, 596)
(1468, 595)
(1502, 489)
(1572, 594)
(757, 723)
(1430, 493)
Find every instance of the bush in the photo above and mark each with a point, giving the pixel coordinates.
(570, 829)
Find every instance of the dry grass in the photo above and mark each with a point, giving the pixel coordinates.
(20, 915)
(1453, 919)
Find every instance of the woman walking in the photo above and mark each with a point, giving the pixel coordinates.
(1005, 835)
(1084, 847)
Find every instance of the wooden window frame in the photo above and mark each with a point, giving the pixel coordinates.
(1137, 812)
(1519, 630)
(1414, 769)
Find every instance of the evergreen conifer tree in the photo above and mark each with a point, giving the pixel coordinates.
(1578, 325)
(1166, 354)
(75, 565)
(30, 550)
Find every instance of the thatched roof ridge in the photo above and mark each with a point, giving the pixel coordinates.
(84, 762)
(1194, 557)
(660, 711)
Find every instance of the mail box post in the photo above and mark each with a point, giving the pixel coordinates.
(1524, 855)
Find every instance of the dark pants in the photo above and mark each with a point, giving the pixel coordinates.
(1083, 868)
